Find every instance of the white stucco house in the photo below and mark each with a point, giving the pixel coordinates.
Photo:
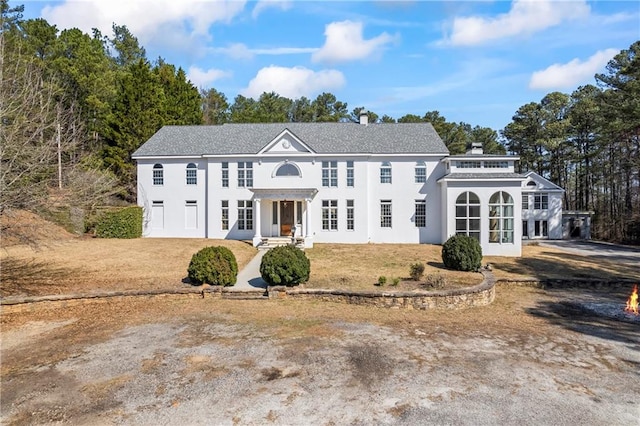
(330, 183)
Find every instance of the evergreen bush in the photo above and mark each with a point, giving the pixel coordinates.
(462, 253)
(122, 223)
(285, 265)
(214, 266)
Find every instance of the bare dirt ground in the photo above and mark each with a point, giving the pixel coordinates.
(531, 357)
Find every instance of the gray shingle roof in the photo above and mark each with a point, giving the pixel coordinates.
(322, 138)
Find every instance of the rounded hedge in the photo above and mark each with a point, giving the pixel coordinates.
(462, 253)
(214, 266)
(285, 265)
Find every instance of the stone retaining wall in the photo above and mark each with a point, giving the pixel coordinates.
(586, 283)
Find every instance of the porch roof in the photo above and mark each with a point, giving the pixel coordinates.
(284, 193)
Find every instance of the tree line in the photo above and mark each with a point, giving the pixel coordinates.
(588, 142)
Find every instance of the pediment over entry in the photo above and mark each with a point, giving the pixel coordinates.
(286, 143)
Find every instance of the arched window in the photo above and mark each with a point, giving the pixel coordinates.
(421, 172)
(501, 218)
(192, 174)
(468, 215)
(287, 169)
(531, 183)
(158, 174)
(385, 172)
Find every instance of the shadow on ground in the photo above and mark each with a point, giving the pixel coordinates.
(29, 277)
(571, 316)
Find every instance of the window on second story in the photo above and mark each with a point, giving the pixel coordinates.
(496, 164)
(158, 174)
(225, 174)
(245, 174)
(287, 169)
(468, 164)
(350, 174)
(541, 201)
(525, 201)
(421, 172)
(385, 172)
(329, 173)
(192, 174)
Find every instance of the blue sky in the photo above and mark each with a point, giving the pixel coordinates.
(475, 61)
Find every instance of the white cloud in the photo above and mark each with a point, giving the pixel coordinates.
(293, 82)
(524, 17)
(241, 51)
(204, 78)
(144, 18)
(573, 73)
(344, 42)
(270, 4)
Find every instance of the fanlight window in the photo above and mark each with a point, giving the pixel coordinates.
(288, 169)
(501, 218)
(468, 215)
(192, 174)
(158, 174)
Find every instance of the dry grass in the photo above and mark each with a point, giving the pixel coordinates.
(358, 266)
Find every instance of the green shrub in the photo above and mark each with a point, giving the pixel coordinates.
(285, 265)
(435, 280)
(213, 265)
(395, 281)
(462, 253)
(122, 223)
(382, 280)
(416, 271)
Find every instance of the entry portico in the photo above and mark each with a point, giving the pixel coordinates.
(289, 215)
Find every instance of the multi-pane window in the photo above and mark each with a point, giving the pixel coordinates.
(192, 174)
(225, 174)
(329, 173)
(421, 172)
(245, 174)
(350, 173)
(299, 212)
(468, 164)
(245, 214)
(274, 213)
(525, 228)
(541, 228)
(225, 215)
(385, 213)
(525, 201)
(350, 216)
(158, 174)
(287, 169)
(421, 214)
(541, 201)
(329, 215)
(385, 172)
(496, 164)
(501, 218)
(468, 215)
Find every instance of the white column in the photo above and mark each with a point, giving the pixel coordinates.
(257, 238)
(307, 218)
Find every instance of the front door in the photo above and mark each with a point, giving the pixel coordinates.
(286, 218)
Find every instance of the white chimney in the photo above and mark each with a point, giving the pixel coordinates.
(364, 117)
(476, 148)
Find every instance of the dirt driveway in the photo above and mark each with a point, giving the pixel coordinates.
(529, 358)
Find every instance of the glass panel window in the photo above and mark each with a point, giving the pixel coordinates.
(298, 212)
(350, 173)
(225, 174)
(225, 215)
(385, 213)
(468, 164)
(525, 228)
(158, 174)
(329, 215)
(330, 173)
(350, 216)
(245, 214)
(421, 213)
(525, 201)
(245, 174)
(385, 172)
(541, 228)
(288, 170)
(541, 201)
(192, 174)
(274, 213)
(421, 172)
(496, 164)
(501, 218)
(468, 215)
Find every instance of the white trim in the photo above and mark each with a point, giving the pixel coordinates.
(277, 139)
